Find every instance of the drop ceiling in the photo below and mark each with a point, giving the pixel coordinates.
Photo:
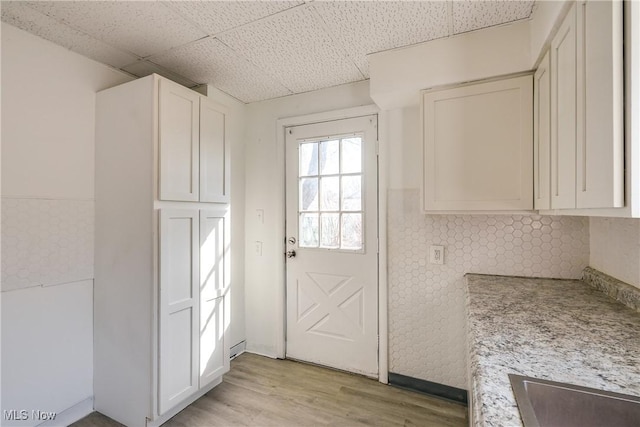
(252, 50)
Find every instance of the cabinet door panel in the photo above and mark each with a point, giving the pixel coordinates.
(563, 115)
(214, 299)
(179, 308)
(178, 142)
(600, 148)
(214, 153)
(542, 135)
(478, 146)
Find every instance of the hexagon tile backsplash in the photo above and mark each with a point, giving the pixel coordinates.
(427, 337)
(46, 242)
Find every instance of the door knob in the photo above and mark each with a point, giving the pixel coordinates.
(291, 254)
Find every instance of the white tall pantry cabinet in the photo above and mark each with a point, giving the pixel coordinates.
(161, 305)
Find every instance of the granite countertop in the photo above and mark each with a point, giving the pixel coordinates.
(558, 330)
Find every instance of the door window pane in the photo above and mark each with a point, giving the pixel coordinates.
(330, 193)
(329, 157)
(308, 230)
(309, 159)
(330, 230)
(352, 155)
(351, 193)
(351, 231)
(308, 194)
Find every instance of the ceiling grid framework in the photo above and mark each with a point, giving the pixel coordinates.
(252, 50)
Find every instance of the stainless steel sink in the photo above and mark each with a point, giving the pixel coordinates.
(551, 404)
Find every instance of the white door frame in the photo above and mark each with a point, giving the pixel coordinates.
(383, 313)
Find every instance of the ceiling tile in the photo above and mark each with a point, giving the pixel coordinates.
(210, 61)
(294, 47)
(213, 17)
(141, 27)
(471, 15)
(363, 27)
(20, 15)
(144, 68)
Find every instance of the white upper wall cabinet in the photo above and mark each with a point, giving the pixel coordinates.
(587, 108)
(478, 152)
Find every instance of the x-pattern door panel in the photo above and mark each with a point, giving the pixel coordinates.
(331, 305)
(332, 286)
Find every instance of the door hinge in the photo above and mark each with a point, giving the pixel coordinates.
(377, 147)
(378, 245)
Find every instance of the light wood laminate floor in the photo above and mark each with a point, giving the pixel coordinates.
(259, 391)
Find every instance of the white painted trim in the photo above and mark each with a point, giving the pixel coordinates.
(71, 415)
(281, 124)
(383, 284)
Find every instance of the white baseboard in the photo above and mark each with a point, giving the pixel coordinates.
(71, 415)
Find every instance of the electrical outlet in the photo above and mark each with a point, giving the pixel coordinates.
(436, 254)
(258, 248)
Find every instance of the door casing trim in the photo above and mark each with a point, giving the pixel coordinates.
(383, 313)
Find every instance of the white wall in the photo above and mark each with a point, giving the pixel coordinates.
(48, 96)
(264, 190)
(398, 75)
(615, 248)
(426, 302)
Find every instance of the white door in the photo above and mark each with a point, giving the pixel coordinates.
(332, 221)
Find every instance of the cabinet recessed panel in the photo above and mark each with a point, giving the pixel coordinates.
(214, 357)
(178, 140)
(177, 250)
(214, 154)
(178, 365)
(213, 255)
(472, 154)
